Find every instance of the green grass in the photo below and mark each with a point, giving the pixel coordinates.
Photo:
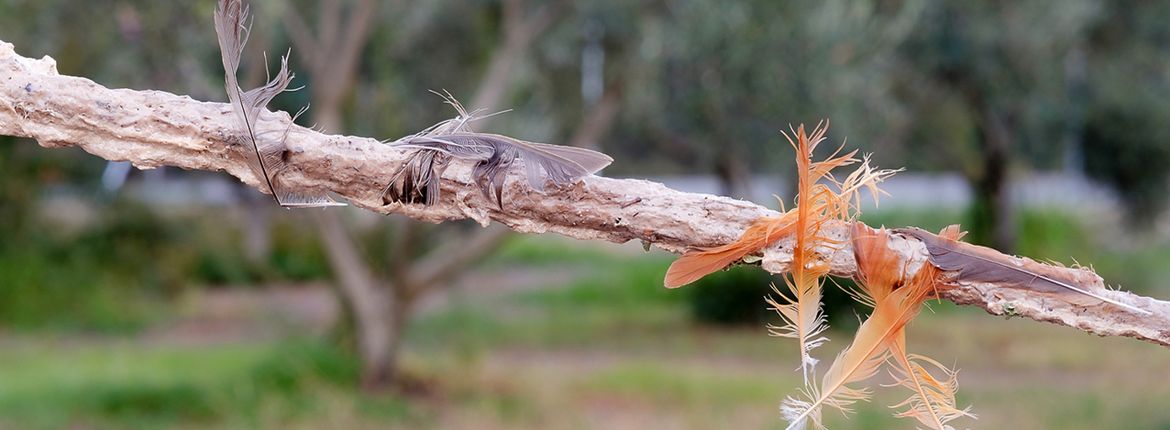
(56, 384)
(609, 348)
(543, 250)
(51, 384)
(683, 387)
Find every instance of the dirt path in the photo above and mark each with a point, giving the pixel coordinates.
(232, 315)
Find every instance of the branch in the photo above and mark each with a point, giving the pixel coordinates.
(598, 120)
(153, 128)
(442, 264)
(518, 33)
(356, 35)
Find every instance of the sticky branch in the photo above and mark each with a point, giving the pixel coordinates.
(154, 128)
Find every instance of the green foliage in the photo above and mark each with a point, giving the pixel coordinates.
(117, 272)
(176, 402)
(536, 250)
(101, 279)
(224, 264)
(1125, 146)
(297, 255)
(732, 296)
(295, 366)
(169, 386)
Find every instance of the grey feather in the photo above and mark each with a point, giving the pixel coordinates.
(972, 263)
(267, 147)
(417, 181)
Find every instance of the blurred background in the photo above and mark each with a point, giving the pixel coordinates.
(179, 299)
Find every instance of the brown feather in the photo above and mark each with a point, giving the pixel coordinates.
(879, 271)
(881, 337)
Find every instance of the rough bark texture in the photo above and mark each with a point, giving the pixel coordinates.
(152, 128)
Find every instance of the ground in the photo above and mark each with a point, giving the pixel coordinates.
(549, 345)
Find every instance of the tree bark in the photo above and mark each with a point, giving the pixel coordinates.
(994, 217)
(153, 128)
(992, 214)
(365, 300)
(332, 59)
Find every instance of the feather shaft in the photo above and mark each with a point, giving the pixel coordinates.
(972, 263)
(266, 153)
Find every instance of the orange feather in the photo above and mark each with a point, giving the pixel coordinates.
(696, 264)
(896, 302)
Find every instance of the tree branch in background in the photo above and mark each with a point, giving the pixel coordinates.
(598, 120)
(518, 33)
(300, 33)
(153, 128)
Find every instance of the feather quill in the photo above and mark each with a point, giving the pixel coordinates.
(800, 308)
(973, 263)
(877, 340)
(933, 400)
(417, 181)
(694, 265)
(267, 147)
(820, 201)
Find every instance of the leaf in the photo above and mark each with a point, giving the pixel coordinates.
(266, 157)
(973, 263)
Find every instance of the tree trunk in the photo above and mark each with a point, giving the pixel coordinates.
(734, 175)
(993, 217)
(257, 231)
(385, 372)
(362, 300)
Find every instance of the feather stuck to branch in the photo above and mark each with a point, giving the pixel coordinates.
(972, 263)
(418, 179)
(56, 110)
(880, 339)
(822, 199)
(266, 156)
(818, 203)
(694, 265)
(800, 308)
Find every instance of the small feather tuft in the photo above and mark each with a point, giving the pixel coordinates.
(418, 180)
(266, 157)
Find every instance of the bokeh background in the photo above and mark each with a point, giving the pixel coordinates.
(178, 299)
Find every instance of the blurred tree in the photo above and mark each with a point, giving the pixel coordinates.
(1126, 146)
(48, 278)
(717, 81)
(991, 67)
(1125, 131)
(380, 293)
(139, 44)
